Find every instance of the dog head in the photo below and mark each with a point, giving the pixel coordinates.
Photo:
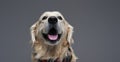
(53, 27)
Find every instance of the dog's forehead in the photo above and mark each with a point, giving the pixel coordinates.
(53, 13)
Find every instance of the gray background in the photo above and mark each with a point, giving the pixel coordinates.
(96, 28)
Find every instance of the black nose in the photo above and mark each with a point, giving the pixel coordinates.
(52, 20)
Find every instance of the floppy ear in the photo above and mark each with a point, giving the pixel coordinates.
(69, 34)
(34, 31)
(69, 30)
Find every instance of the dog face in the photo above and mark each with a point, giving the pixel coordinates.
(52, 27)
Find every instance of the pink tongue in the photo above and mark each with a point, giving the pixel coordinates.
(53, 37)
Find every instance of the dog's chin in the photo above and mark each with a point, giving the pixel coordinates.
(52, 39)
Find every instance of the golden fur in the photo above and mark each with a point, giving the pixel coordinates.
(41, 50)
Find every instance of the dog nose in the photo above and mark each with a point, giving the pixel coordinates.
(52, 20)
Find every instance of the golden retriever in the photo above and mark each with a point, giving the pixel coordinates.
(52, 38)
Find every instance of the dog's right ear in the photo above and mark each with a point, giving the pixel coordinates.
(34, 31)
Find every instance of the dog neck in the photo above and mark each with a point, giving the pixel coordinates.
(65, 59)
(44, 51)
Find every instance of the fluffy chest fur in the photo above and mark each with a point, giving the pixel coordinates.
(43, 51)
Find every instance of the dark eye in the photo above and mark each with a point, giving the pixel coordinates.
(45, 17)
(59, 17)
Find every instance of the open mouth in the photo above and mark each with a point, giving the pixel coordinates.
(52, 35)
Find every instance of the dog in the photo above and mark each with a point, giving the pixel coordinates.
(51, 39)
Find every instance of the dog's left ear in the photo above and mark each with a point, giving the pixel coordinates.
(69, 30)
(69, 34)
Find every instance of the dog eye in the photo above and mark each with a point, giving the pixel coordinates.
(45, 17)
(59, 17)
